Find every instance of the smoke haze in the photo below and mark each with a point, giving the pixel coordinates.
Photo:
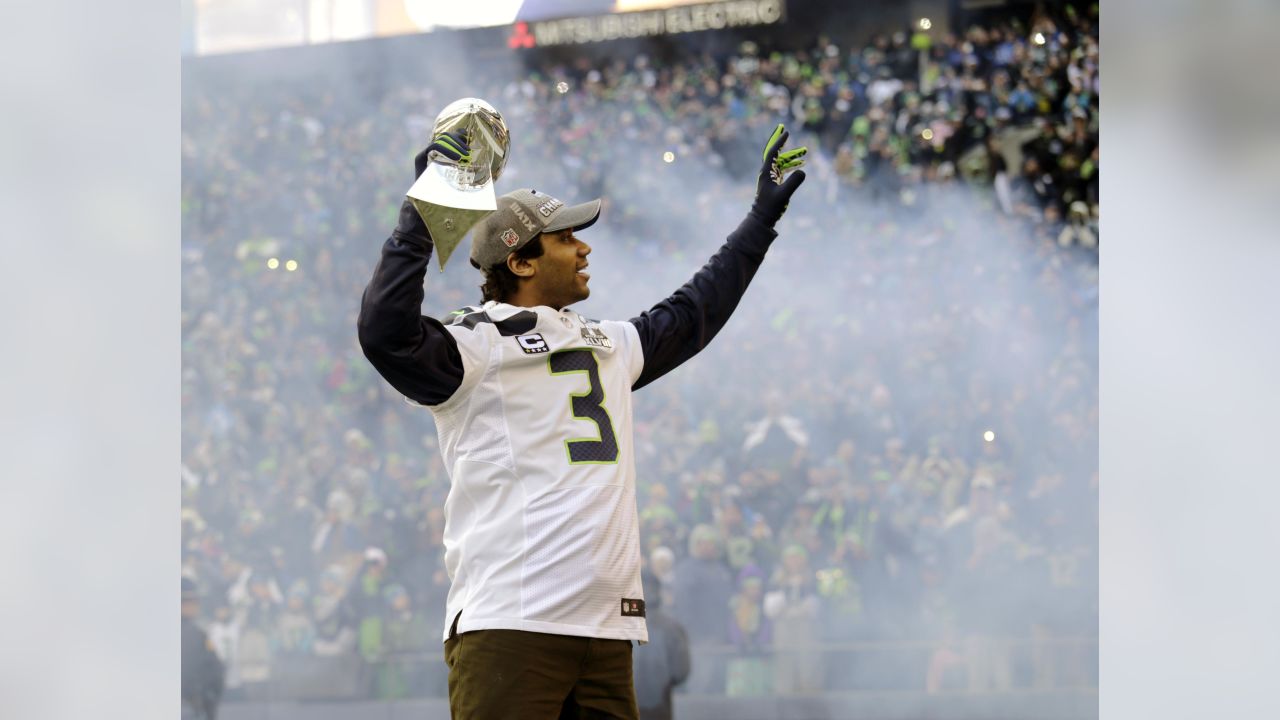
(898, 322)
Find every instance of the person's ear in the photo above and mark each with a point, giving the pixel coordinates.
(522, 267)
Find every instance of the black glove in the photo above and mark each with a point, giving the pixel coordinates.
(452, 145)
(772, 192)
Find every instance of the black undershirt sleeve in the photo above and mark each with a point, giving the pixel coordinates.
(679, 327)
(414, 353)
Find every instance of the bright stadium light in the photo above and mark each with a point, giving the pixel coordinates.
(668, 156)
(925, 23)
(273, 263)
(989, 436)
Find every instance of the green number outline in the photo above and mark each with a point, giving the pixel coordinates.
(593, 379)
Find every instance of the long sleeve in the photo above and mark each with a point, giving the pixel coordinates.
(411, 351)
(680, 326)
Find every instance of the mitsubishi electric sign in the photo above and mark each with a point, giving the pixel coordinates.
(648, 23)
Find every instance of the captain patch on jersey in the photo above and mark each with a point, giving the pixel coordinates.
(532, 344)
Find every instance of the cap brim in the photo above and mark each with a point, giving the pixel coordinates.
(438, 185)
(577, 217)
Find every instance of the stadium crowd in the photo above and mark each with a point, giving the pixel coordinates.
(895, 458)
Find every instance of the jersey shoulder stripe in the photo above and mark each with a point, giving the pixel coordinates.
(519, 323)
(456, 316)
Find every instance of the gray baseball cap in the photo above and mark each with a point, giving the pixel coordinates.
(521, 216)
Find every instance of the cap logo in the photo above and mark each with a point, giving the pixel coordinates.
(509, 237)
(548, 207)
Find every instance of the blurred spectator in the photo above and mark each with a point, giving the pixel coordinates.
(296, 632)
(792, 605)
(1079, 230)
(369, 606)
(662, 563)
(224, 636)
(202, 671)
(663, 662)
(749, 673)
(777, 441)
(334, 616)
(702, 590)
(256, 603)
(982, 614)
(702, 587)
(842, 611)
(336, 537)
(406, 634)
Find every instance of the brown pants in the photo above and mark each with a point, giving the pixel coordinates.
(499, 674)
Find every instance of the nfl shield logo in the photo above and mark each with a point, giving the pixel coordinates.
(509, 237)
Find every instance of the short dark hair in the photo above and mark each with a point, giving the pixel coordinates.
(499, 282)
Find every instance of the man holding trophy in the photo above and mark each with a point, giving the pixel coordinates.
(532, 402)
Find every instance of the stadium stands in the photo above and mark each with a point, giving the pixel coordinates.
(895, 437)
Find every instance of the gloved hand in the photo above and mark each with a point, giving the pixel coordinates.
(773, 193)
(452, 145)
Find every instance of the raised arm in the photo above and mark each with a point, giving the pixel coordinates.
(411, 351)
(680, 326)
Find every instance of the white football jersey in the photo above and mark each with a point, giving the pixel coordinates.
(541, 531)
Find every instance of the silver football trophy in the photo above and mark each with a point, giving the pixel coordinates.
(452, 198)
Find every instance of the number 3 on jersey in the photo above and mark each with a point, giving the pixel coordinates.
(587, 406)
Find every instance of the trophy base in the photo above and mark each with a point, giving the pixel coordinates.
(447, 225)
